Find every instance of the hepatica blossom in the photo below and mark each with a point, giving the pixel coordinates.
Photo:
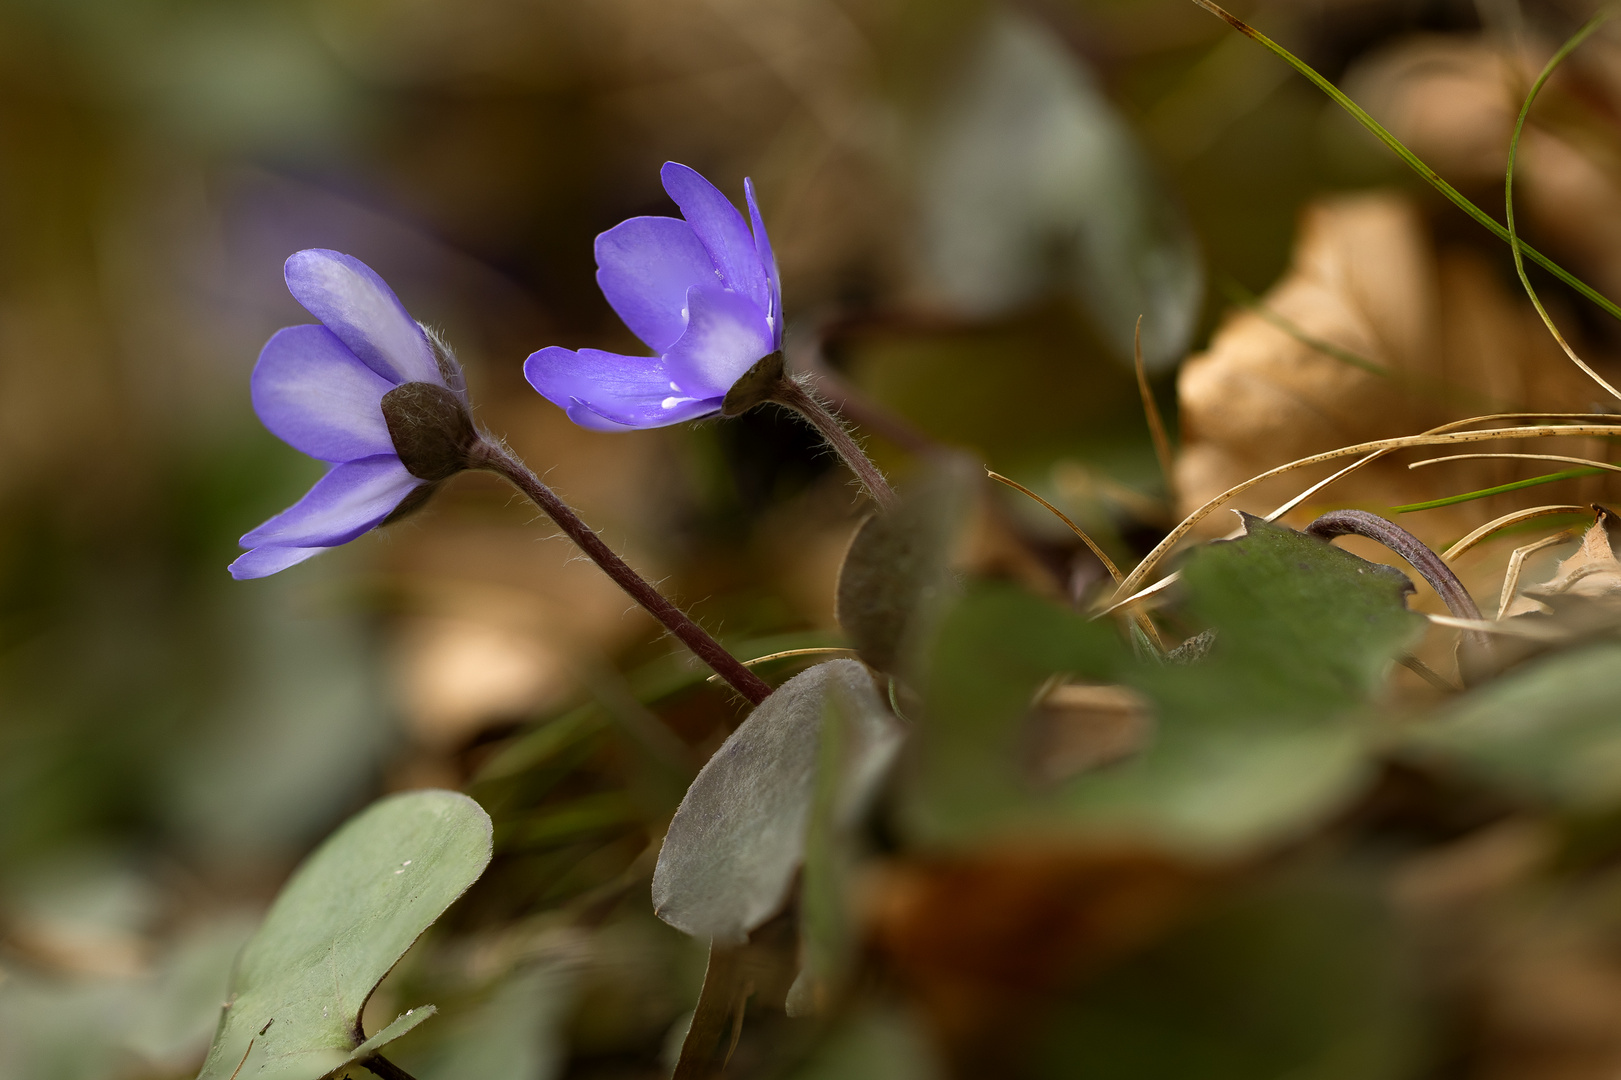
(321, 388)
(703, 293)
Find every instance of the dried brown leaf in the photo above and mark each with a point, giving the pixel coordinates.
(1592, 575)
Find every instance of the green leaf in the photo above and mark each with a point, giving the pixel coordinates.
(347, 916)
(896, 572)
(850, 764)
(738, 837)
(1547, 730)
(1258, 739)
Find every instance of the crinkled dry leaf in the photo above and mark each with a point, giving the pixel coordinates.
(1446, 339)
(1371, 334)
(1592, 573)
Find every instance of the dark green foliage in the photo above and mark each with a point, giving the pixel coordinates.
(1256, 740)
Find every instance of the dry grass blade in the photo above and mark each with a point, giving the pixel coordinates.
(1521, 457)
(1427, 673)
(1108, 563)
(786, 653)
(1516, 563)
(1156, 423)
(1135, 579)
(1504, 522)
(1511, 627)
(1159, 586)
(1141, 618)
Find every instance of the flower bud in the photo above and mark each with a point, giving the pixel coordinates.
(432, 432)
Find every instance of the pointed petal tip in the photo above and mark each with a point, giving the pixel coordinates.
(264, 561)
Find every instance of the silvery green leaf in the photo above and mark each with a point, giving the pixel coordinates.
(738, 837)
(347, 916)
(1546, 730)
(897, 572)
(1032, 184)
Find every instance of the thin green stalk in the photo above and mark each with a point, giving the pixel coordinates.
(1430, 175)
(1483, 493)
(1515, 244)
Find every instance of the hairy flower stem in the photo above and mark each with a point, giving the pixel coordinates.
(1418, 556)
(792, 394)
(498, 459)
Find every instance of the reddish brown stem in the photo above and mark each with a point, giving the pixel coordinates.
(498, 459)
(1418, 555)
(792, 394)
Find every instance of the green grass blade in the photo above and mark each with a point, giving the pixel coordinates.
(1396, 146)
(1515, 244)
(1517, 485)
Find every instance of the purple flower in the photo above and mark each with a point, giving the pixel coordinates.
(321, 389)
(704, 295)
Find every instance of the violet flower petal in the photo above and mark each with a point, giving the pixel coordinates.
(352, 498)
(726, 335)
(629, 391)
(642, 418)
(359, 307)
(316, 395)
(721, 230)
(645, 267)
(768, 260)
(264, 561)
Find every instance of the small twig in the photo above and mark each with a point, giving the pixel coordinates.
(380, 1066)
(1516, 562)
(1425, 672)
(490, 455)
(244, 1060)
(1156, 423)
(791, 394)
(713, 1010)
(1430, 565)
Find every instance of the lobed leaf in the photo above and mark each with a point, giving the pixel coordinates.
(344, 919)
(1546, 730)
(738, 837)
(897, 570)
(1255, 740)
